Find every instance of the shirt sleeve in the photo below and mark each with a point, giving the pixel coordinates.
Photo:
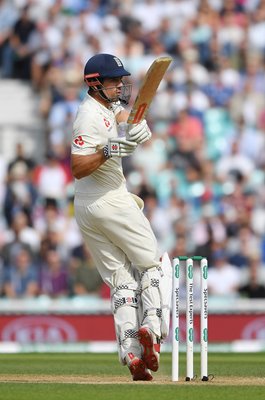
(85, 136)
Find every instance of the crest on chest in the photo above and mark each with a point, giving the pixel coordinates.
(108, 124)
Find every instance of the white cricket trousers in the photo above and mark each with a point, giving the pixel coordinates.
(117, 234)
(120, 239)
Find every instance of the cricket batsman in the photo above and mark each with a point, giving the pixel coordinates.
(112, 221)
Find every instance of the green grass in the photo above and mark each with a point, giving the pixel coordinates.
(236, 376)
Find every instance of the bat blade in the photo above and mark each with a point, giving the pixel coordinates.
(148, 89)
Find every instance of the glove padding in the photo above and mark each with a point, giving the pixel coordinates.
(120, 147)
(138, 133)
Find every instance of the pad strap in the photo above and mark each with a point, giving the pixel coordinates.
(129, 300)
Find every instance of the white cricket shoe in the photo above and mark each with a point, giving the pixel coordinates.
(151, 349)
(137, 368)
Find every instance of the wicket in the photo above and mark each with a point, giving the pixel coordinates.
(189, 317)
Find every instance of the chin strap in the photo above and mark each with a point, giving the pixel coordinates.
(97, 86)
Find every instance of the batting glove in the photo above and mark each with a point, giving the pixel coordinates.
(119, 147)
(139, 133)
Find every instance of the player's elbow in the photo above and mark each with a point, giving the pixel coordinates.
(76, 176)
(79, 173)
(75, 167)
(76, 173)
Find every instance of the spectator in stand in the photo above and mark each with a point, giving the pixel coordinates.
(231, 34)
(41, 54)
(22, 158)
(223, 278)
(185, 158)
(8, 17)
(51, 178)
(237, 208)
(62, 114)
(54, 238)
(1, 274)
(241, 246)
(187, 130)
(143, 160)
(49, 215)
(159, 220)
(20, 195)
(208, 232)
(53, 275)
(248, 103)
(84, 277)
(20, 276)
(251, 141)
(235, 165)
(255, 285)
(24, 230)
(202, 32)
(256, 31)
(19, 53)
(20, 234)
(3, 182)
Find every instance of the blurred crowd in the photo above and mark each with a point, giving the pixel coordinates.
(202, 176)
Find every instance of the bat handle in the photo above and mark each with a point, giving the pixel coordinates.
(122, 129)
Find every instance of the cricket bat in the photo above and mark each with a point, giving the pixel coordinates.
(148, 89)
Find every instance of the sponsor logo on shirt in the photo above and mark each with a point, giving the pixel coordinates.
(79, 141)
(107, 123)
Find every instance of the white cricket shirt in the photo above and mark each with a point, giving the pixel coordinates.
(93, 126)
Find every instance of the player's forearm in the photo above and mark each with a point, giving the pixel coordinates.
(122, 116)
(84, 165)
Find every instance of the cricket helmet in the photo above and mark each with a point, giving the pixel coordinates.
(103, 66)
